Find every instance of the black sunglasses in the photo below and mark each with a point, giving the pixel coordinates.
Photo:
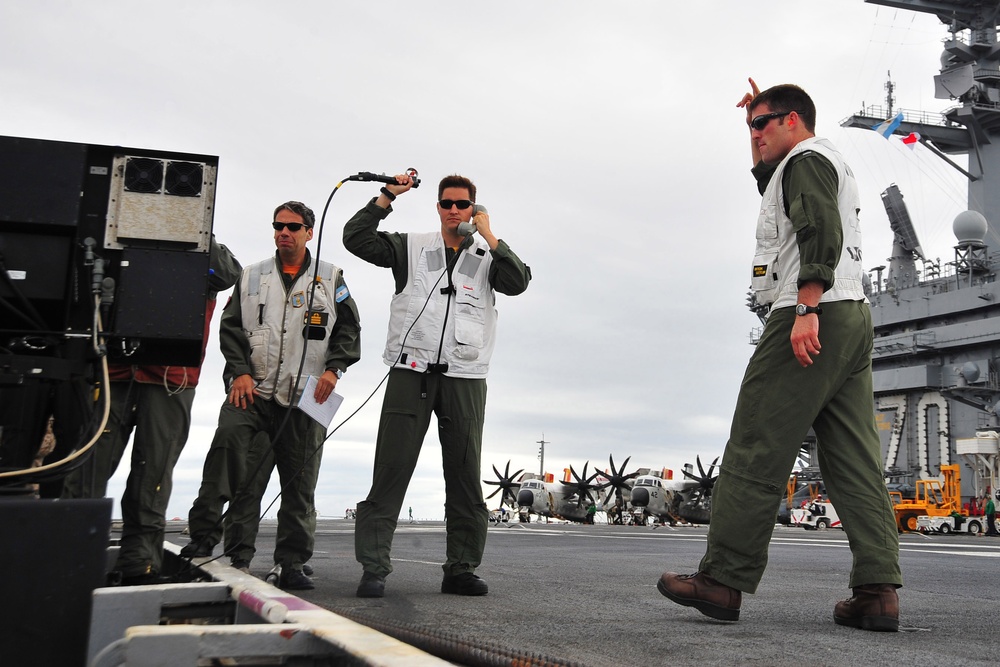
(292, 226)
(761, 121)
(462, 204)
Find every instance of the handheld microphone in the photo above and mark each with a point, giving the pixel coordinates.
(382, 178)
(467, 228)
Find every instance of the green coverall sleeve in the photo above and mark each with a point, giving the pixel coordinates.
(508, 274)
(223, 267)
(386, 249)
(345, 340)
(233, 342)
(810, 185)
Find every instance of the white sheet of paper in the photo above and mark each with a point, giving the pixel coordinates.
(323, 413)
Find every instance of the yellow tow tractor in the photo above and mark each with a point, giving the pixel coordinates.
(938, 500)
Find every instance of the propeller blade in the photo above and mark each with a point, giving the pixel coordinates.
(506, 484)
(614, 470)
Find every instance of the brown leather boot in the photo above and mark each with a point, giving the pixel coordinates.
(873, 607)
(705, 594)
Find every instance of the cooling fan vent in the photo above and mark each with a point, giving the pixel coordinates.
(184, 179)
(143, 175)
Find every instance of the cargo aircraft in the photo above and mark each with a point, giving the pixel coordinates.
(573, 498)
(632, 497)
(671, 501)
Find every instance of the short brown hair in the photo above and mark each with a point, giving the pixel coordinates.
(297, 207)
(788, 97)
(456, 181)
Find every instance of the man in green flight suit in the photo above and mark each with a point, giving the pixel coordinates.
(442, 326)
(286, 313)
(152, 405)
(807, 274)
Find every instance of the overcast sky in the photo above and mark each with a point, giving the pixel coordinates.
(603, 137)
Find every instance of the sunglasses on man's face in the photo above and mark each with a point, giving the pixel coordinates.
(292, 226)
(760, 122)
(461, 204)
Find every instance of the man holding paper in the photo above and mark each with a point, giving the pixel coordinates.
(289, 314)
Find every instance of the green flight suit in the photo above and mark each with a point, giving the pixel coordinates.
(460, 406)
(410, 399)
(249, 443)
(779, 400)
(152, 405)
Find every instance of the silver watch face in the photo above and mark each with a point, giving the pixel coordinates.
(800, 309)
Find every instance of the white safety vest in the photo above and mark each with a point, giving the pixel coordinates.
(457, 329)
(277, 323)
(775, 273)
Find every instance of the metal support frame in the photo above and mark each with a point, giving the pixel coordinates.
(253, 620)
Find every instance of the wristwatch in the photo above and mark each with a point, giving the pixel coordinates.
(803, 309)
(339, 373)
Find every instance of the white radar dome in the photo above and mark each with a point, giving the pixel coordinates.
(970, 227)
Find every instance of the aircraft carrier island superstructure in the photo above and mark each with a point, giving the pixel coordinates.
(936, 359)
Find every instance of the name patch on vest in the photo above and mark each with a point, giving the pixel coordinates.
(315, 328)
(759, 270)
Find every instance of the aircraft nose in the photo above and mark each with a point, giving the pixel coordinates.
(640, 497)
(525, 498)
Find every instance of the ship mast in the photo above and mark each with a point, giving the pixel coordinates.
(970, 75)
(890, 99)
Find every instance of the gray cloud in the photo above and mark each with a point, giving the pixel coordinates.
(604, 139)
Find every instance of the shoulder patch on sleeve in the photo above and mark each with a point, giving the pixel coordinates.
(342, 293)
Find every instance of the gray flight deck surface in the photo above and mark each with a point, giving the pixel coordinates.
(587, 594)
